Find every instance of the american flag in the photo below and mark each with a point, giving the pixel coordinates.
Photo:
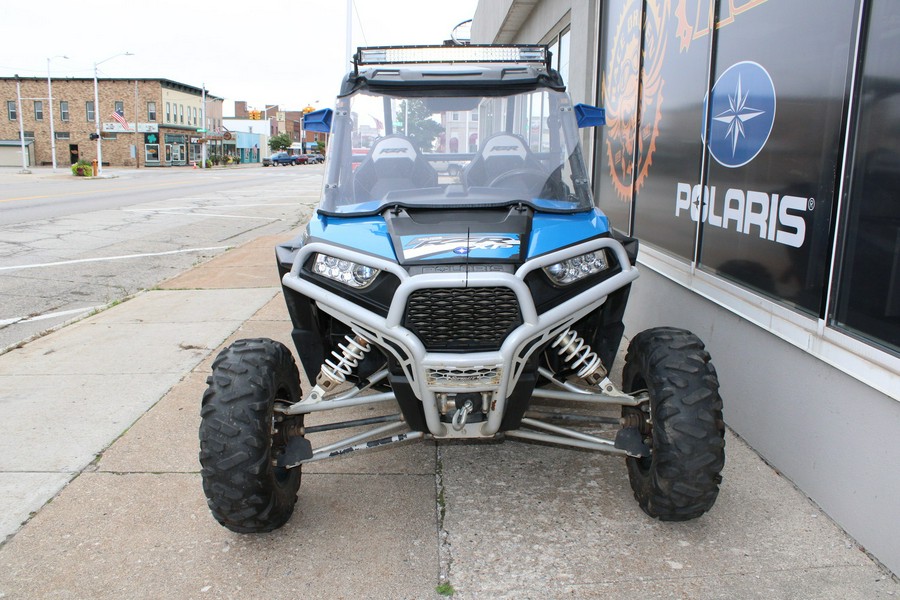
(121, 119)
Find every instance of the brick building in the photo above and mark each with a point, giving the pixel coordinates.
(163, 117)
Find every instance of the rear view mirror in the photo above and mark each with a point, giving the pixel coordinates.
(590, 116)
(318, 120)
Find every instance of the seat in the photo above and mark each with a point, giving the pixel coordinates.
(505, 161)
(392, 164)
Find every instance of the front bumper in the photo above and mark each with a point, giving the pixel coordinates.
(492, 372)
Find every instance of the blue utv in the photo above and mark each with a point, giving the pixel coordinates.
(479, 303)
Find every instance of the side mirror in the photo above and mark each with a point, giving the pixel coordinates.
(318, 120)
(590, 116)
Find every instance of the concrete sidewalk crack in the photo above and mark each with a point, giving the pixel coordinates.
(445, 549)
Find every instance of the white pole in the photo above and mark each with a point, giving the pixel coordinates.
(97, 125)
(206, 127)
(24, 170)
(97, 113)
(349, 40)
(137, 152)
(52, 131)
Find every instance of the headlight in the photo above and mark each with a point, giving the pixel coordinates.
(577, 267)
(345, 271)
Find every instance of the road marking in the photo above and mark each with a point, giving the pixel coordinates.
(163, 211)
(62, 313)
(204, 207)
(107, 258)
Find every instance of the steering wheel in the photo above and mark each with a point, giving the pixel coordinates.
(527, 180)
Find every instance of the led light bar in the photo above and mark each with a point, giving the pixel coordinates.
(386, 55)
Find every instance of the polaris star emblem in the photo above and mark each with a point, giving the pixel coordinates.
(741, 113)
(491, 245)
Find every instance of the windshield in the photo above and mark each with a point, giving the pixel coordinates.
(439, 151)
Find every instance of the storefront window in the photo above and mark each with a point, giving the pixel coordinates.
(667, 190)
(774, 138)
(615, 143)
(868, 300)
(151, 151)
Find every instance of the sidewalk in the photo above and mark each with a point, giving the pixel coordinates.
(98, 452)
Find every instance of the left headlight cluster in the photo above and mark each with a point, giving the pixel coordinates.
(578, 267)
(344, 271)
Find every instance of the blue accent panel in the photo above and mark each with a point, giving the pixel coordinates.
(550, 232)
(590, 116)
(318, 120)
(366, 234)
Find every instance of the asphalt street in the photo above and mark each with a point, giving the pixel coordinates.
(69, 245)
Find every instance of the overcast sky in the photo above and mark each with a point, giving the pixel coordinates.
(287, 52)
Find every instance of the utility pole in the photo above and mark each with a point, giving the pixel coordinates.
(205, 131)
(50, 103)
(24, 170)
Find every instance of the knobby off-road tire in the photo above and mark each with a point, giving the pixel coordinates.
(680, 480)
(238, 438)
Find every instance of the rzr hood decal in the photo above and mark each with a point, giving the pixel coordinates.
(459, 236)
(478, 246)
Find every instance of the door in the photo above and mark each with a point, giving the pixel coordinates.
(73, 153)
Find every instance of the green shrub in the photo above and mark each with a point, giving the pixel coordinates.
(83, 169)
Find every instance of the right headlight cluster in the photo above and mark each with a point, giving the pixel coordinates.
(345, 271)
(578, 267)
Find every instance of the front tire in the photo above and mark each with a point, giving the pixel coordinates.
(240, 439)
(685, 431)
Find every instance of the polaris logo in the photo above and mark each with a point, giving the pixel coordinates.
(742, 114)
(770, 216)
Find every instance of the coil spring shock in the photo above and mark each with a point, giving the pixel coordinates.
(335, 373)
(581, 358)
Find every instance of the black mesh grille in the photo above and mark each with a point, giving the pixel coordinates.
(456, 319)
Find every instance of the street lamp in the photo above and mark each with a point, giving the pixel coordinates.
(50, 101)
(97, 111)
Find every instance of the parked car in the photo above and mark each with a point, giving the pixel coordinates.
(316, 158)
(280, 158)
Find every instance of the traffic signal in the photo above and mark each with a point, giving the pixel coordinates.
(93, 136)
(255, 115)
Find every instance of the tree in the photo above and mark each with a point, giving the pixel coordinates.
(282, 141)
(422, 129)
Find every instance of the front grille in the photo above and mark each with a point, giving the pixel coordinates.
(462, 319)
(464, 376)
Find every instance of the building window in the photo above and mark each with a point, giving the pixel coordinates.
(119, 107)
(181, 113)
(28, 135)
(168, 113)
(89, 110)
(38, 110)
(454, 116)
(474, 115)
(195, 115)
(11, 110)
(151, 153)
(151, 112)
(563, 64)
(62, 135)
(64, 110)
(868, 299)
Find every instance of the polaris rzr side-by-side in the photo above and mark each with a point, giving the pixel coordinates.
(483, 301)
